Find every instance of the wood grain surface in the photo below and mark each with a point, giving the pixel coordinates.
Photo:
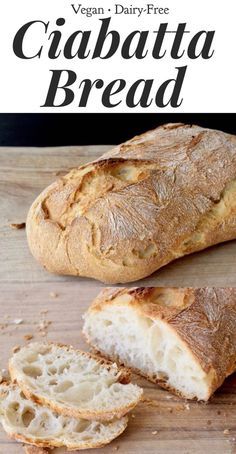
(36, 303)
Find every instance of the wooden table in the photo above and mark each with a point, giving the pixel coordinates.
(29, 295)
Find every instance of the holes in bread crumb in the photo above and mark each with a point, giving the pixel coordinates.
(27, 416)
(63, 368)
(81, 426)
(32, 358)
(162, 376)
(49, 362)
(12, 414)
(107, 322)
(82, 392)
(53, 382)
(64, 386)
(32, 371)
(14, 406)
(52, 370)
(44, 351)
(65, 424)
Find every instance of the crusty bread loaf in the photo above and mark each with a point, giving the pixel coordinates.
(182, 339)
(157, 197)
(26, 421)
(72, 382)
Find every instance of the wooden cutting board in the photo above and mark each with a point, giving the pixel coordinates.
(36, 303)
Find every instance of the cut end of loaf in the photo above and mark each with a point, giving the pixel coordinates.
(151, 347)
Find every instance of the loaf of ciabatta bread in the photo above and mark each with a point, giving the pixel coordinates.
(28, 422)
(73, 383)
(162, 195)
(181, 338)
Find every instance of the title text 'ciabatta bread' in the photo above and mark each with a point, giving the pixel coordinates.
(73, 383)
(182, 339)
(28, 422)
(157, 197)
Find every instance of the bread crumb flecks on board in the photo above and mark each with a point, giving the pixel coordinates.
(35, 450)
(43, 326)
(28, 337)
(16, 348)
(18, 226)
(53, 294)
(18, 321)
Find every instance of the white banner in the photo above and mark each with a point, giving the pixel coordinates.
(66, 56)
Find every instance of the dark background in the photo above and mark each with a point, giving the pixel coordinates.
(82, 129)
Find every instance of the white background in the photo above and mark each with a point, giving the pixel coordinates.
(209, 86)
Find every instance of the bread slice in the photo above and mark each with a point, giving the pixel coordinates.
(28, 422)
(183, 339)
(159, 196)
(72, 382)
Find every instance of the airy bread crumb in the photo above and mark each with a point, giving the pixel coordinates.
(172, 336)
(72, 382)
(28, 422)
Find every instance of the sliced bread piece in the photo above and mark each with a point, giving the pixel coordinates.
(73, 383)
(183, 339)
(28, 422)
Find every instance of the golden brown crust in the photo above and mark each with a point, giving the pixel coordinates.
(157, 197)
(50, 445)
(203, 318)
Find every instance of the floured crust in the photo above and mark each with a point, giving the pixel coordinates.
(123, 377)
(203, 318)
(159, 196)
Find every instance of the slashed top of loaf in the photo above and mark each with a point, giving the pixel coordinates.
(154, 198)
(174, 152)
